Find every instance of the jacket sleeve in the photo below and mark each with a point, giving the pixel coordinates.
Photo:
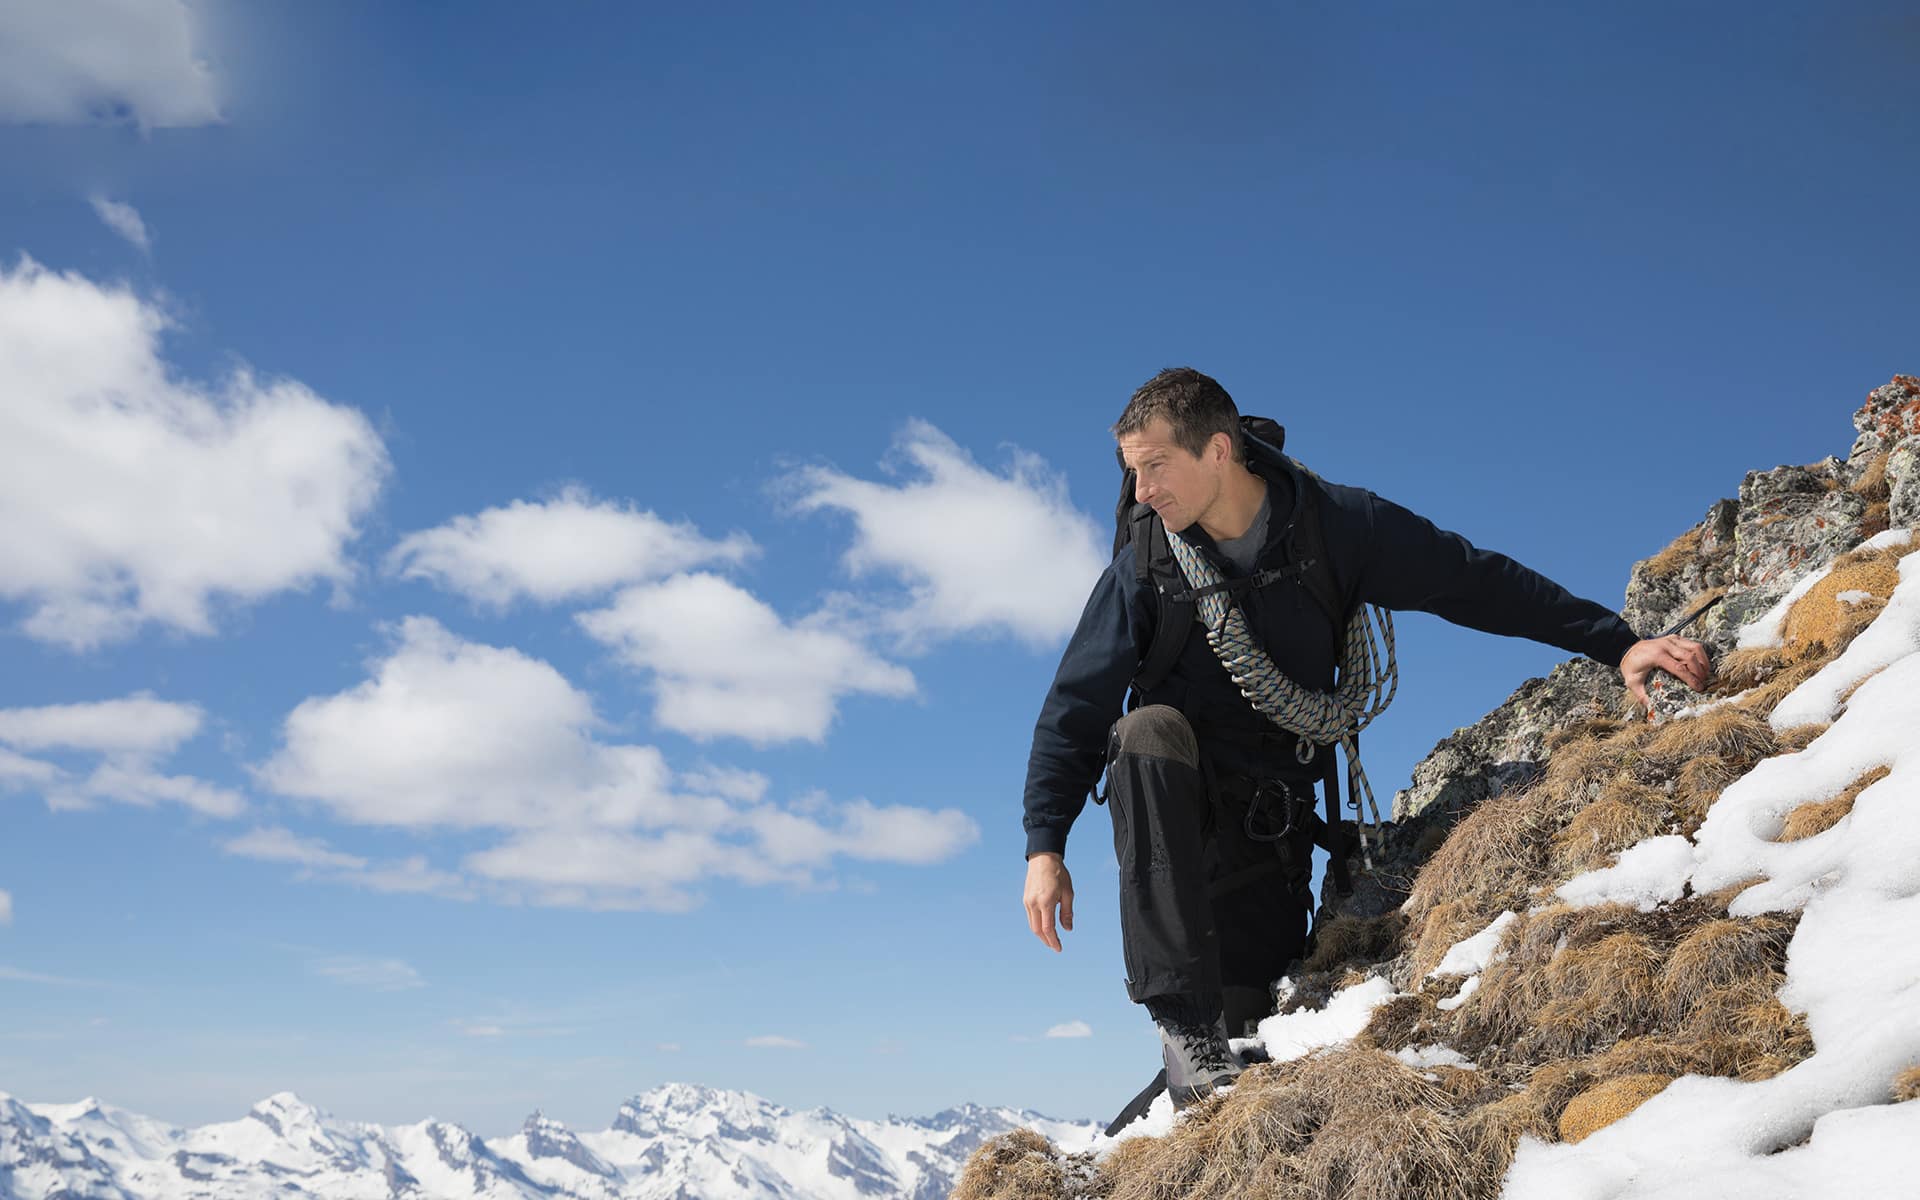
(1413, 564)
(1070, 738)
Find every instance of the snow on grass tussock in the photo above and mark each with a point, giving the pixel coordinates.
(1892, 636)
(1824, 1127)
(1290, 1035)
(1470, 956)
(1649, 874)
(1765, 632)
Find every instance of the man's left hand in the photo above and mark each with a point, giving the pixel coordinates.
(1683, 658)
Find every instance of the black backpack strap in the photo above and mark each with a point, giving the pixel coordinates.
(1174, 610)
(1308, 551)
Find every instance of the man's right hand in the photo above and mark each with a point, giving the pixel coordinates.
(1049, 886)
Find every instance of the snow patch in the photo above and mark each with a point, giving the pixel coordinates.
(1470, 956)
(1296, 1034)
(1647, 875)
(1894, 634)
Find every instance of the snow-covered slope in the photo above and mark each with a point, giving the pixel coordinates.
(680, 1141)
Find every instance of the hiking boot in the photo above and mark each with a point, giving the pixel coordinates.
(1193, 1045)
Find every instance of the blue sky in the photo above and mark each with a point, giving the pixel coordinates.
(589, 507)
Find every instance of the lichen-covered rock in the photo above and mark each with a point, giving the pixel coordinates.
(1700, 560)
(1903, 484)
(1890, 415)
(1506, 747)
(1792, 520)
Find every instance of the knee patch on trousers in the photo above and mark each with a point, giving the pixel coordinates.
(1157, 731)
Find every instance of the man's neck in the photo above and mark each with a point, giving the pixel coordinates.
(1239, 503)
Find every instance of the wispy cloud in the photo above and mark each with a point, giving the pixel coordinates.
(558, 549)
(976, 551)
(773, 1041)
(81, 61)
(725, 664)
(471, 1029)
(1070, 1029)
(124, 220)
(6, 907)
(133, 734)
(17, 975)
(410, 875)
(375, 974)
(280, 478)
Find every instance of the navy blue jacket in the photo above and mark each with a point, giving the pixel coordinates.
(1378, 551)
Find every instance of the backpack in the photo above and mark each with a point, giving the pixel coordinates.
(1177, 609)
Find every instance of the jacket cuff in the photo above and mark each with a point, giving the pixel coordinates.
(1617, 646)
(1046, 838)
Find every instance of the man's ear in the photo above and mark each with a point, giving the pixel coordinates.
(1220, 449)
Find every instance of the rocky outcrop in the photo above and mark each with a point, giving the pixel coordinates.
(1748, 549)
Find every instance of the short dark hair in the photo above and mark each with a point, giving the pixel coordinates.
(1195, 406)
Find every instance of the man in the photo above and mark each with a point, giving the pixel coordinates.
(1212, 836)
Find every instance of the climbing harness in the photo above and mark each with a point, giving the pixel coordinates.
(1364, 687)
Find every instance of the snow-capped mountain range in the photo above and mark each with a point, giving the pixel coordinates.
(678, 1140)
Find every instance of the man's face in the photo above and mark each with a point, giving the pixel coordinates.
(1179, 486)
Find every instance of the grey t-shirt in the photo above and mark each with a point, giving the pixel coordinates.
(1241, 551)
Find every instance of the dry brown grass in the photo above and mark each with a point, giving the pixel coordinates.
(1799, 737)
(1822, 617)
(1021, 1165)
(1346, 1122)
(1349, 939)
(1906, 1085)
(1762, 700)
(1818, 816)
(1602, 1105)
(1872, 484)
(1876, 520)
(1677, 554)
(1735, 734)
(1626, 812)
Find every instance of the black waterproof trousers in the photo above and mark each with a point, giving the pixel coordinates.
(1208, 897)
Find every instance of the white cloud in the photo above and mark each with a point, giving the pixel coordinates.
(410, 875)
(480, 1031)
(773, 1041)
(6, 907)
(558, 549)
(124, 220)
(128, 496)
(77, 61)
(725, 664)
(452, 734)
(668, 1047)
(375, 974)
(138, 724)
(144, 788)
(19, 771)
(976, 551)
(132, 734)
(281, 845)
(458, 734)
(1071, 1029)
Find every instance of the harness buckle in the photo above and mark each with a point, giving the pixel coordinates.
(1279, 794)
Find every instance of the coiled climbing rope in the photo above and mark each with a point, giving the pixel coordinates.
(1364, 686)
